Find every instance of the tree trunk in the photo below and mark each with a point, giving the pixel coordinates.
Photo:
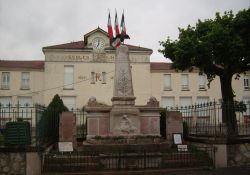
(228, 108)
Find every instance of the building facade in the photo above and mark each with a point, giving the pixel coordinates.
(21, 82)
(83, 69)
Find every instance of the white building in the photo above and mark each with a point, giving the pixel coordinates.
(78, 70)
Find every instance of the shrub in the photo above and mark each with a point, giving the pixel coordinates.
(163, 123)
(49, 123)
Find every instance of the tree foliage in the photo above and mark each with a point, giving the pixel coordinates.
(218, 47)
(57, 104)
(48, 127)
(163, 116)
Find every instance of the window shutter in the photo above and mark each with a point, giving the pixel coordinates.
(184, 81)
(167, 82)
(68, 77)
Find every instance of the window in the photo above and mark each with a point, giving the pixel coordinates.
(25, 80)
(167, 102)
(167, 82)
(5, 101)
(69, 102)
(6, 109)
(68, 77)
(5, 80)
(201, 100)
(202, 82)
(92, 79)
(202, 106)
(25, 110)
(25, 101)
(247, 82)
(184, 82)
(246, 101)
(103, 77)
(186, 102)
(246, 114)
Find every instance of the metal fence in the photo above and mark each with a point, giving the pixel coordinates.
(81, 124)
(44, 122)
(206, 119)
(127, 160)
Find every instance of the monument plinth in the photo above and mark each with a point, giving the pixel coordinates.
(123, 118)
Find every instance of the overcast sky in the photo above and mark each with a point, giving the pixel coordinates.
(28, 25)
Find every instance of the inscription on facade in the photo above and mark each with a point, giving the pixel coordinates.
(95, 57)
(82, 77)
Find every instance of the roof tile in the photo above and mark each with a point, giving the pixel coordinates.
(22, 64)
(160, 66)
(81, 45)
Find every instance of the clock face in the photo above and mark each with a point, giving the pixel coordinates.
(98, 44)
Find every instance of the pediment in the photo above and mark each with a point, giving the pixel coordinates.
(98, 32)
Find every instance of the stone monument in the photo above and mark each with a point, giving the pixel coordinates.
(123, 118)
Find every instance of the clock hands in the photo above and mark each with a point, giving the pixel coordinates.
(98, 42)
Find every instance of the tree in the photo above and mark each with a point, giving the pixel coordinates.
(48, 127)
(218, 47)
(163, 115)
(57, 104)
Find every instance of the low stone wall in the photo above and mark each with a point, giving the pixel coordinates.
(227, 155)
(12, 163)
(19, 161)
(238, 154)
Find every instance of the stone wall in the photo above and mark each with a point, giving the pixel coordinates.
(238, 154)
(12, 163)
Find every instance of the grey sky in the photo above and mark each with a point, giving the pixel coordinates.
(28, 25)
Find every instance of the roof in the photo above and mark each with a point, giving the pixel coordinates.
(81, 45)
(71, 45)
(22, 64)
(160, 66)
(156, 66)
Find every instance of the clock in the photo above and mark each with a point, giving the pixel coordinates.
(98, 44)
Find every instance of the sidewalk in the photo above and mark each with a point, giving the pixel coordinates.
(222, 171)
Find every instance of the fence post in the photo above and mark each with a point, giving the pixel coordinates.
(119, 160)
(145, 159)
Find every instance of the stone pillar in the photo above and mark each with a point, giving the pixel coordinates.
(123, 86)
(33, 163)
(67, 128)
(124, 116)
(174, 124)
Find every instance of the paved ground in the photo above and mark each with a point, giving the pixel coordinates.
(222, 171)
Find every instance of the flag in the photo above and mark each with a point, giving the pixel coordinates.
(110, 30)
(123, 26)
(116, 42)
(117, 32)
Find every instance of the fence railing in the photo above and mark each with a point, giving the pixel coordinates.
(133, 160)
(44, 127)
(210, 119)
